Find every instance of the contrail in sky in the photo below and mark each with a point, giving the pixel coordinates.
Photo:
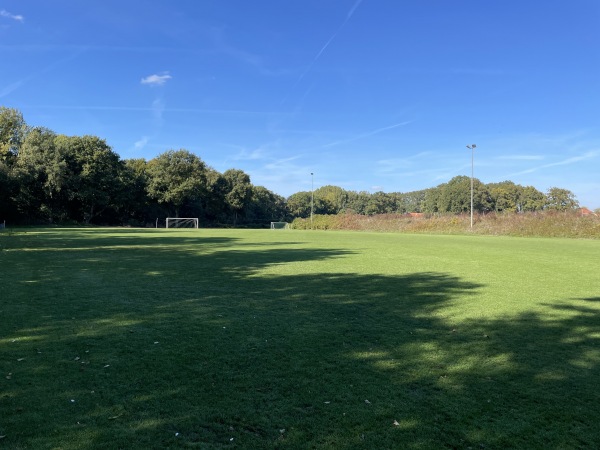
(356, 3)
(574, 159)
(6, 90)
(153, 108)
(329, 41)
(364, 135)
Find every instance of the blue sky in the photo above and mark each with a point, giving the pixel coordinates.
(366, 94)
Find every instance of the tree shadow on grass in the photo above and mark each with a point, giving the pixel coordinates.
(167, 348)
(592, 299)
(93, 239)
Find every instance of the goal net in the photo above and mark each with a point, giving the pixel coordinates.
(279, 225)
(182, 222)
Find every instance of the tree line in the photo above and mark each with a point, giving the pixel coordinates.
(453, 197)
(47, 177)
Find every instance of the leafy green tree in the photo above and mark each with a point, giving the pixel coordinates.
(95, 175)
(214, 204)
(12, 132)
(67, 177)
(44, 176)
(298, 204)
(412, 201)
(357, 202)
(135, 205)
(558, 199)
(175, 178)
(397, 202)
(266, 206)
(531, 200)
(431, 199)
(331, 199)
(8, 188)
(239, 191)
(455, 196)
(505, 196)
(482, 200)
(380, 203)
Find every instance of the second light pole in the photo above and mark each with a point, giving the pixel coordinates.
(312, 198)
(472, 147)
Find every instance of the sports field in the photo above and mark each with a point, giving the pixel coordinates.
(123, 338)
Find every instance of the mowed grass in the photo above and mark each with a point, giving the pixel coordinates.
(119, 338)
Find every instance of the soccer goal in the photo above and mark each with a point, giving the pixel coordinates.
(182, 222)
(279, 225)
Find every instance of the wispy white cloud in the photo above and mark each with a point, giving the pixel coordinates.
(476, 71)
(364, 135)
(140, 144)
(391, 165)
(245, 57)
(265, 164)
(593, 154)
(99, 48)
(250, 155)
(16, 17)
(11, 87)
(532, 144)
(521, 157)
(156, 80)
(158, 108)
(282, 175)
(286, 175)
(282, 163)
(232, 112)
(396, 164)
(246, 155)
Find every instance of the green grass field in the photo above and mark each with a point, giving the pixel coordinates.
(122, 338)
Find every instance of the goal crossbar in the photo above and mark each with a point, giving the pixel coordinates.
(182, 222)
(279, 225)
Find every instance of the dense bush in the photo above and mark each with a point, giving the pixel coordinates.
(568, 224)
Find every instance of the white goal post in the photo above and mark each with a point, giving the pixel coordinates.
(182, 222)
(279, 225)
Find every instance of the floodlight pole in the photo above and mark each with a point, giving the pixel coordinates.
(472, 147)
(312, 198)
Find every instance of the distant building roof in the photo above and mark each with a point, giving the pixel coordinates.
(586, 212)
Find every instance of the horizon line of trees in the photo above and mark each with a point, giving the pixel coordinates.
(453, 197)
(53, 178)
